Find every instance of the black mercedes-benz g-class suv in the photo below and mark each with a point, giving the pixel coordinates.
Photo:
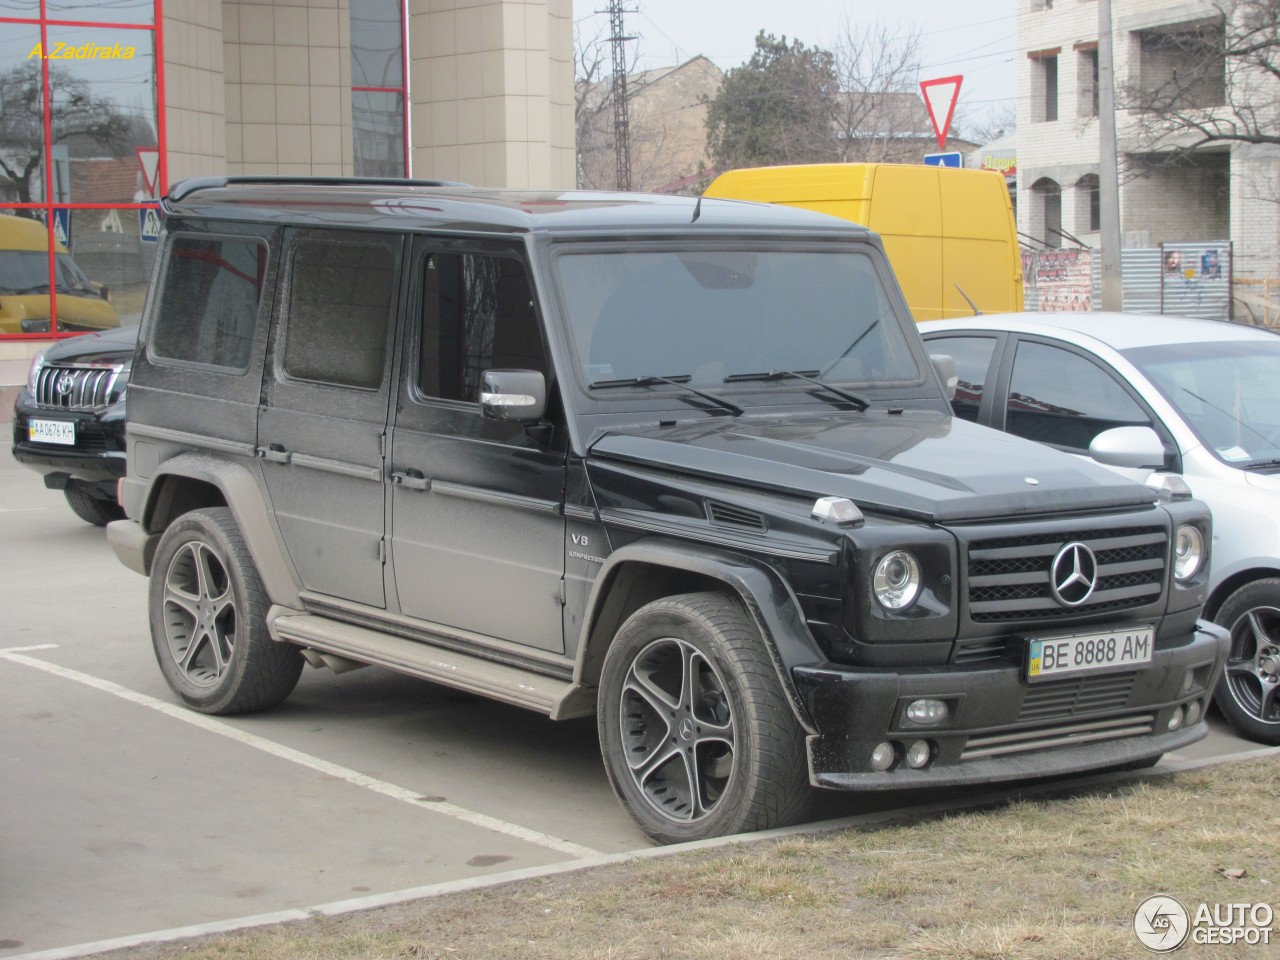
(680, 464)
(69, 420)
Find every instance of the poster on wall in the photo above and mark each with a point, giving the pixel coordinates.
(1064, 280)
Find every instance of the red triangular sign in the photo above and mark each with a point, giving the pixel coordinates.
(940, 97)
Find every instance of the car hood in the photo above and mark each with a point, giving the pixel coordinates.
(919, 464)
(111, 346)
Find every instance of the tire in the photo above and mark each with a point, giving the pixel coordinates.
(690, 761)
(208, 619)
(89, 508)
(1249, 692)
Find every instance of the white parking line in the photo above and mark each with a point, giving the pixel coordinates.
(354, 777)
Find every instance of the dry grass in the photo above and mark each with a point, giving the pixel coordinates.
(1032, 880)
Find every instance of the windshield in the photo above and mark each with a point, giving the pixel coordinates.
(707, 315)
(1228, 392)
(27, 271)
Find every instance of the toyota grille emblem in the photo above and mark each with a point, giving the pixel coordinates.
(1073, 575)
(65, 384)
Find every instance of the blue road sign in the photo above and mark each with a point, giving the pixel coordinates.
(149, 223)
(949, 159)
(62, 227)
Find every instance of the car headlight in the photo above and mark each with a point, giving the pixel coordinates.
(896, 580)
(37, 364)
(1188, 552)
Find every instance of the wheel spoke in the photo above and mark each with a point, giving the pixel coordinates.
(198, 640)
(693, 776)
(657, 758)
(209, 588)
(186, 602)
(1242, 668)
(1267, 711)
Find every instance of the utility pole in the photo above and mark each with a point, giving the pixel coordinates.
(1108, 166)
(621, 120)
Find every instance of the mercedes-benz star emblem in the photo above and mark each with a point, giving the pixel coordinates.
(65, 383)
(1073, 575)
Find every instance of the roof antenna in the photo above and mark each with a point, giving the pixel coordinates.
(972, 306)
(697, 210)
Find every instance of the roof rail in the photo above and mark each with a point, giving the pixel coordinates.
(184, 188)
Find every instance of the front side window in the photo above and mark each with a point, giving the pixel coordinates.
(1229, 393)
(1061, 398)
(209, 301)
(973, 359)
(705, 315)
(340, 302)
(477, 315)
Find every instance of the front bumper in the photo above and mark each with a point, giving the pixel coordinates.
(98, 455)
(1001, 727)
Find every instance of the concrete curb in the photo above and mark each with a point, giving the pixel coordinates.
(340, 907)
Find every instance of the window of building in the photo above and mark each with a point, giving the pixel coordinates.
(209, 301)
(1065, 399)
(1182, 66)
(1087, 81)
(1044, 85)
(341, 296)
(378, 96)
(1088, 204)
(477, 315)
(88, 167)
(1048, 197)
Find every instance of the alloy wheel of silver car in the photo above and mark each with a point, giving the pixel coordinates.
(1253, 667)
(199, 613)
(678, 729)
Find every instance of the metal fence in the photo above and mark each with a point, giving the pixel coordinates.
(1174, 279)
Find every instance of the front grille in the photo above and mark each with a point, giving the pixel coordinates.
(1057, 699)
(1009, 576)
(1057, 735)
(73, 387)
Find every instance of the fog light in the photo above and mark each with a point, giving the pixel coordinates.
(918, 754)
(927, 713)
(882, 757)
(1188, 681)
(1193, 712)
(1175, 721)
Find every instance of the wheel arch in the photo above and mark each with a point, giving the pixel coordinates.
(1232, 583)
(191, 482)
(642, 572)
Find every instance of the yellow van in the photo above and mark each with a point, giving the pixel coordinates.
(941, 227)
(24, 284)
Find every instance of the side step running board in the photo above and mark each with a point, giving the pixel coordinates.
(558, 699)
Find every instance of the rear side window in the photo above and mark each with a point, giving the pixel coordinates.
(341, 300)
(209, 302)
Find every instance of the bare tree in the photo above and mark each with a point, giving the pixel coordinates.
(1208, 83)
(593, 118)
(1000, 122)
(876, 112)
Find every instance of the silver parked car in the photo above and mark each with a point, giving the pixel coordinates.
(1167, 400)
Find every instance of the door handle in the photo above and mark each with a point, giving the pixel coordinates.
(275, 452)
(410, 479)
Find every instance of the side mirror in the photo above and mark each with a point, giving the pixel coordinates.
(517, 396)
(945, 367)
(1128, 447)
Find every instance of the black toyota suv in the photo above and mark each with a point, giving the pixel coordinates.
(69, 420)
(683, 465)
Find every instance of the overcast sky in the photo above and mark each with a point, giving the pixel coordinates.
(974, 38)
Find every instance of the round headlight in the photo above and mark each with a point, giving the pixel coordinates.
(896, 581)
(1188, 552)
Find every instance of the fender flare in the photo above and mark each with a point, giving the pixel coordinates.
(766, 596)
(246, 499)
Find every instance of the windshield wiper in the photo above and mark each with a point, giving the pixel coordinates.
(808, 375)
(681, 381)
(1260, 465)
